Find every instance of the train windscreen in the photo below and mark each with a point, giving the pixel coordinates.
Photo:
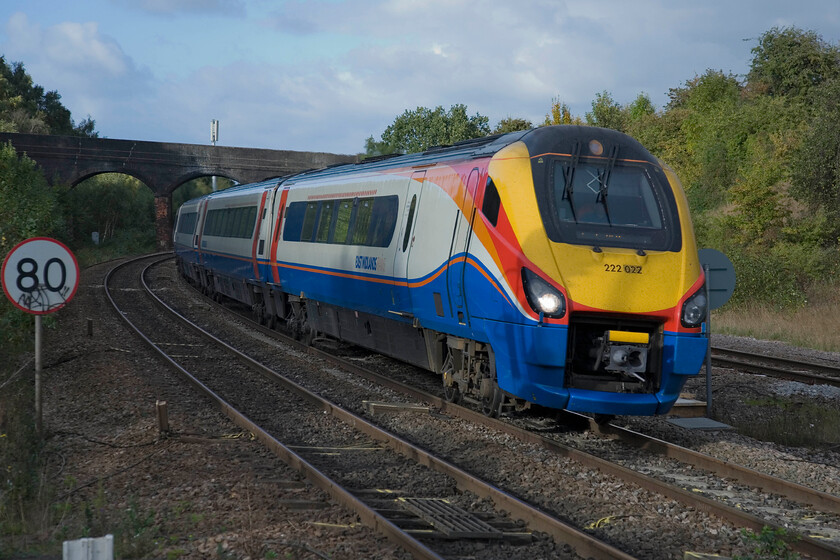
(612, 204)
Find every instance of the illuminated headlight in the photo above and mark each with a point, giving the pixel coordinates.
(543, 297)
(694, 309)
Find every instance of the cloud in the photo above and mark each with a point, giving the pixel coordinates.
(323, 74)
(192, 7)
(88, 69)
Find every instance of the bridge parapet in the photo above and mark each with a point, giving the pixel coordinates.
(161, 166)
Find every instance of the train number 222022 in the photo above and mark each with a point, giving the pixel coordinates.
(628, 268)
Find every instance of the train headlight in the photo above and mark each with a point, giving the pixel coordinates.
(543, 297)
(694, 309)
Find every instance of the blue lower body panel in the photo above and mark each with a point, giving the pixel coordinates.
(531, 365)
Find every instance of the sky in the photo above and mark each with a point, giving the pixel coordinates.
(324, 75)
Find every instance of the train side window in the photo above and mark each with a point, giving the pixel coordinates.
(241, 222)
(492, 203)
(342, 221)
(210, 222)
(186, 224)
(409, 222)
(236, 217)
(309, 221)
(362, 225)
(325, 222)
(249, 221)
(226, 216)
(294, 221)
(384, 220)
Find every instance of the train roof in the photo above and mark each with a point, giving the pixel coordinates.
(545, 139)
(466, 149)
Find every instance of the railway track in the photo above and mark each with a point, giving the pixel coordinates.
(785, 368)
(727, 504)
(345, 455)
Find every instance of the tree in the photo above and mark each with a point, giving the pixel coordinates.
(641, 107)
(511, 124)
(28, 208)
(24, 107)
(111, 204)
(560, 114)
(418, 130)
(816, 166)
(790, 61)
(606, 113)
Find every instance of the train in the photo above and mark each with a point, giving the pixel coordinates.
(555, 266)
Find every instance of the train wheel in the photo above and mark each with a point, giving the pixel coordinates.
(260, 314)
(492, 395)
(492, 403)
(603, 419)
(451, 393)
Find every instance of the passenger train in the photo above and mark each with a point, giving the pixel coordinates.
(555, 266)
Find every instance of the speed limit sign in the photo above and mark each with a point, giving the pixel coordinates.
(40, 275)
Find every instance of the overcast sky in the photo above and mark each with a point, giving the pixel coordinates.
(323, 75)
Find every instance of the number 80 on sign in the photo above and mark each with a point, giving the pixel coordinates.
(40, 275)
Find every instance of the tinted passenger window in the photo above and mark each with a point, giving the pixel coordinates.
(309, 221)
(408, 222)
(325, 221)
(364, 211)
(342, 221)
(492, 203)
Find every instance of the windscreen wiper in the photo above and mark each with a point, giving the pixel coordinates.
(569, 177)
(605, 181)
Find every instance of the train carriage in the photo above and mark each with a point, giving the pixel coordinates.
(555, 266)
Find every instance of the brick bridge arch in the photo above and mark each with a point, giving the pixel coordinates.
(161, 166)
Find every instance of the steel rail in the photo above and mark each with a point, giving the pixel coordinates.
(738, 359)
(806, 545)
(370, 517)
(584, 544)
(745, 475)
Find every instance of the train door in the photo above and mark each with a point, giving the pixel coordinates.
(261, 235)
(459, 250)
(199, 229)
(401, 294)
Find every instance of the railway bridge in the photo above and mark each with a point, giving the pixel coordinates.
(161, 166)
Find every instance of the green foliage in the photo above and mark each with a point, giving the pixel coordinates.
(816, 165)
(560, 114)
(769, 544)
(195, 188)
(792, 62)
(110, 204)
(26, 108)
(20, 455)
(511, 124)
(28, 208)
(419, 130)
(606, 113)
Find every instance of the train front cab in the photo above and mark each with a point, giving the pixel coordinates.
(628, 333)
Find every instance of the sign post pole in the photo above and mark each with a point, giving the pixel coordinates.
(720, 283)
(39, 276)
(39, 423)
(709, 346)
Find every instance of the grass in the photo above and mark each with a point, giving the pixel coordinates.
(794, 423)
(813, 325)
